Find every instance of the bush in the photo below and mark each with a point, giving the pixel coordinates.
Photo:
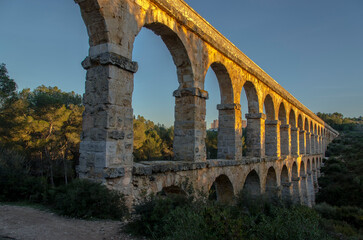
(348, 214)
(152, 213)
(86, 199)
(182, 218)
(16, 184)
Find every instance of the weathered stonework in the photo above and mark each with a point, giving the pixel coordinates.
(279, 151)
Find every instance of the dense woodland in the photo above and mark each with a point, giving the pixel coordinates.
(39, 149)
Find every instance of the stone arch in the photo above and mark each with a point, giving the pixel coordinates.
(284, 131)
(271, 183)
(177, 50)
(255, 119)
(316, 139)
(307, 137)
(172, 190)
(252, 97)
(300, 122)
(303, 186)
(222, 190)
(312, 138)
(271, 125)
(252, 185)
(295, 183)
(98, 31)
(294, 133)
(229, 144)
(224, 82)
(184, 69)
(282, 113)
(301, 134)
(292, 118)
(286, 184)
(269, 107)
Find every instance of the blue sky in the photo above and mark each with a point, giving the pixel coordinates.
(313, 48)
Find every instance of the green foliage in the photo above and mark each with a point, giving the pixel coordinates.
(152, 142)
(86, 199)
(151, 215)
(342, 180)
(211, 144)
(348, 214)
(45, 126)
(15, 182)
(175, 218)
(339, 122)
(7, 85)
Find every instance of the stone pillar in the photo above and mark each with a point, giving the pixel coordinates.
(308, 143)
(296, 190)
(107, 129)
(189, 126)
(229, 131)
(255, 134)
(285, 141)
(302, 141)
(315, 180)
(316, 140)
(310, 188)
(294, 141)
(305, 200)
(286, 191)
(272, 138)
(312, 138)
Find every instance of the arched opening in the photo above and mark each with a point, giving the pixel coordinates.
(286, 184)
(316, 140)
(223, 139)
(312, 138)
(222, 190)
(186, 105)
(301, 135)
(320, 140)
(295, 184)
(307, 132)
(271, 128)
(212, 121)
(252, 186)
(153, 119)
(172, 191)
(303, 186)
(271, 184)
(253, 136)
(284, 131)
(294, 133)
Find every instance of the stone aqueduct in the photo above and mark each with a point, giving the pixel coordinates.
(285, 145)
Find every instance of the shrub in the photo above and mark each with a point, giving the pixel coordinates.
(86, 199)
(152, 213)
(181, 218)
(16, 184)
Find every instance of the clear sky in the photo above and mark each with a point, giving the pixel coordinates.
(313, 48)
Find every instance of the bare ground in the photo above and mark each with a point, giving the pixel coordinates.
(20, 223)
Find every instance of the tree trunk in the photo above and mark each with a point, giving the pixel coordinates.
(50, 167)
(65, 169)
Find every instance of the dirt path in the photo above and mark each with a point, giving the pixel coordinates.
(27, 223)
